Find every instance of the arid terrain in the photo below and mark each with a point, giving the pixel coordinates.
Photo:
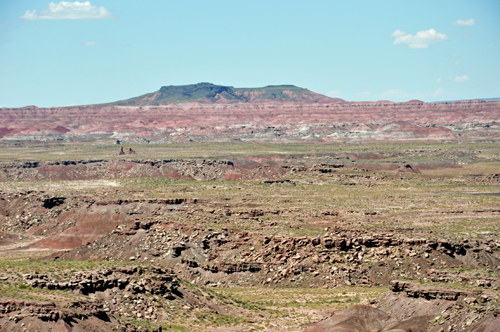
(210, 208)
(250, 237)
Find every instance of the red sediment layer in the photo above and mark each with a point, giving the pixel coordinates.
(382, 120)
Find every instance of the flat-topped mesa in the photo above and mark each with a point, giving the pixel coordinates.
(212, 93)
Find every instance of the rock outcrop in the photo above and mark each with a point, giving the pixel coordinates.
(25, 315)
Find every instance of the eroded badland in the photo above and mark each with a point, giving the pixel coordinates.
(326, 234)
(265, 241)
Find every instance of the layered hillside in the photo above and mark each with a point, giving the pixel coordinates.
(285, 113)
(266, 121)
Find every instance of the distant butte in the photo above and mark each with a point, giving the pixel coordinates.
(211, 93)
(275, 113)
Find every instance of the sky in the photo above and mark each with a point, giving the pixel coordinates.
(77, 53)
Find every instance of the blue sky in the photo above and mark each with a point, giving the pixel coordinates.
(74, 53)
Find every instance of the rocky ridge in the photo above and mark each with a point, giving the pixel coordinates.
(343, 257)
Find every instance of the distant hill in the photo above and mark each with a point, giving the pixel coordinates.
(211, 93)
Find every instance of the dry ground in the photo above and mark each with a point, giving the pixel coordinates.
(454, 203)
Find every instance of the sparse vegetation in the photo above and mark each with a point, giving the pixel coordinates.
(454, 205)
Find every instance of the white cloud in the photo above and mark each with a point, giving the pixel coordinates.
(65, 10)
(460, 79)
(464, 23)
(416, 46)
(421, 39)
(2, 25)
(438, 92)
(456, 63)
(398, 33)
(333, 93)
(90, 43)
(439, 80)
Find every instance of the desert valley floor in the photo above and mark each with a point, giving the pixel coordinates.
(250, 237)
